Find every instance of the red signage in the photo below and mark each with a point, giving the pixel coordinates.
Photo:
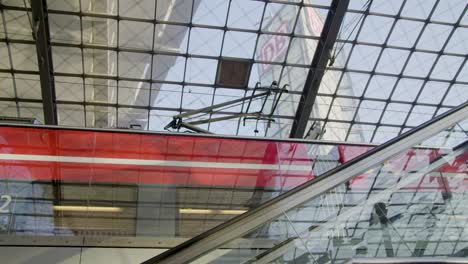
(274, 47)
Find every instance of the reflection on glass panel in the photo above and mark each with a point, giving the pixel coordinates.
(375, 29)
(457, 95)
(448, 11)
(271, 48)
(419, 64)
(380, 87)
(245, 14)
(28, 86)
(133, 93)
(205, 41)
(170, 38)
(432, 91)
(297, 47)
(6, 85)
(295, 77)
(210, 12)
(100, 90)
(239, 44)
(336, 131)
(17, 24)
(100, 116)
(343, 109)
(363, 57)
(370, 111)
(9, 109)
(420, 114)
(65, 5)
(418, 9)
(165, 95)
(5, 63)
(455, 43)
(385, 133)
(132, 118)
(311, 21)
(67, 60)
(31, 110)
(392, 61)
(447, 67)
(174, 11)
(395, 114)
(100, 62)
(105, 7)
(201, 70)
(99, 31)
(24, 56)
(386, 7)
(195, 97)
(134, 65)
(405, 33)
(434, 37)
(69, 89)
(411, 205)
(407, 89)
(283, 21)
(138, 9)
(65, 28)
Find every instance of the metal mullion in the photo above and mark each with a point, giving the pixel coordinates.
(258, 34)
(382, 49)
(288, 48)
(186, 59)
(434, 64)
(10, 60)
(219, 58)
(150, 103)
(344, 70)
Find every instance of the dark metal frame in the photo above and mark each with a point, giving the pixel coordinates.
(41, 35)
(319, 64)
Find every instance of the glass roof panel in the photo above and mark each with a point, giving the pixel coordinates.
(134, 59)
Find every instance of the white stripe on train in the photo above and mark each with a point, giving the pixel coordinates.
(147, 162)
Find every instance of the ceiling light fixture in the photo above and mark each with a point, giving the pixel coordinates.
(210, 211)
(74, 208)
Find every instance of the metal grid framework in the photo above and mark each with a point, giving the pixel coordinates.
(115, 63)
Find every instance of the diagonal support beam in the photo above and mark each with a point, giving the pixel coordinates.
(317, 68)
(41, 35)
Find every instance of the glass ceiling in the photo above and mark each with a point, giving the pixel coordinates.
(396, 63)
